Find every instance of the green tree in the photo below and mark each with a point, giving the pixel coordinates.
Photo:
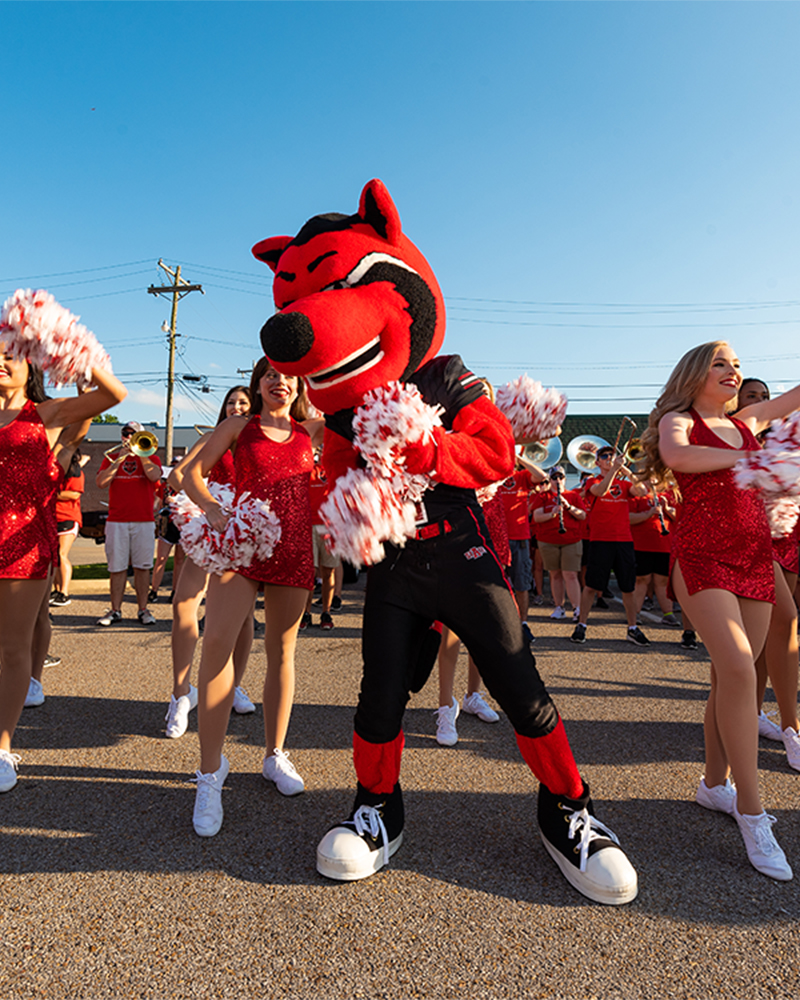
(106, 418)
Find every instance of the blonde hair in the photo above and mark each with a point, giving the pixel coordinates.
(682, 388)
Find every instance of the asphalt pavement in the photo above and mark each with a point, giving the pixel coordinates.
(108, 893)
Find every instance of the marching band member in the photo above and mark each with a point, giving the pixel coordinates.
(559, 518)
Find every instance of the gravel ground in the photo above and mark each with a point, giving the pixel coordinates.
(107, 892)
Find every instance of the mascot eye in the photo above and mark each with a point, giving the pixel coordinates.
(315, 263)
(286, 275)
(334, 285)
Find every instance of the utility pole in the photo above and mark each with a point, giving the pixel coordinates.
(177, 290)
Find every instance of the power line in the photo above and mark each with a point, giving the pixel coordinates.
(85, 270)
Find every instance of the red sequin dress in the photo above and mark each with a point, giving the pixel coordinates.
(722, 538)
(280, 473)
(29, 481)
(223, 470)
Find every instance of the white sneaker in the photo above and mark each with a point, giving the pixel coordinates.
(762, 848)
(768, 728)
(281, 770)
(474, 704)
(241, 702)
(791, 740)
(35, 694)
(207, 818)
(559, 613)
(720, 798)
(8, 770)
(177, 717)
(446, 732)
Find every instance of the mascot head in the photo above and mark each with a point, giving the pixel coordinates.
(358, 303)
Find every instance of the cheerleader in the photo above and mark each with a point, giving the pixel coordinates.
(273, 460)
(721, 570)
(189, 591)
(30, 426)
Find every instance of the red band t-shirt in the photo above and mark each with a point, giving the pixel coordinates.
(514, 492)
(130, 494)
(647, 535)
(608, 514)
(547, 531)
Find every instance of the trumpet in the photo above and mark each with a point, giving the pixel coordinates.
(142, 444)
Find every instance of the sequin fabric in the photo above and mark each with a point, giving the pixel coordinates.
(786, 550)
(722, 538)
(280, 473)
(29, 478)
(223, 470)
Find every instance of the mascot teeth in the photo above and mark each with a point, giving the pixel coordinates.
(354, 364)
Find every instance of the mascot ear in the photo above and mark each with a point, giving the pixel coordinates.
(377, 209)
(270, 250)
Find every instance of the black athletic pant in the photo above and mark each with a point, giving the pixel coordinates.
(455, 578)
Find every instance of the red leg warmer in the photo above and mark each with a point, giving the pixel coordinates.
(550, 758)
(378, 764)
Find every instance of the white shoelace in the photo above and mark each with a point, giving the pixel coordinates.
(368, 820)
(206, 783)
(764, 837)
(12, 758)
(589, 828)
(282, 762)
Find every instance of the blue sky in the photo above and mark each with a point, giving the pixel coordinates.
(598, 186)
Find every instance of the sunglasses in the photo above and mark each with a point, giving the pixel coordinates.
(127, 432)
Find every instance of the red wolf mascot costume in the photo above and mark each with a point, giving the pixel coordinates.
(358, 307)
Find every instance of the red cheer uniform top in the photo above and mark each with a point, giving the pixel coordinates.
(131, 495)
(318, 491)
(29, 478)
(70, 510)
(647, 535)
(609, 519)
(514, 492)
(547, 531)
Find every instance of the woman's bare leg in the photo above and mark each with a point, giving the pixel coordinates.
(660, 588)
(572, 587)
(734, 630)
(230, 601)
(63, 577)
(780, 655)
(448, 658)
(185, 633)
(244, 643)
(20, 603)
(557, 587)
(42, 633)
(283, 609)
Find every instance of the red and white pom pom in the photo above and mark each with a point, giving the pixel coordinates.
(361, 512)
(782, 514)
(252, 531)
(35, 328)
(535, 413)
(487, 493)
(391, 417)
(775, 469)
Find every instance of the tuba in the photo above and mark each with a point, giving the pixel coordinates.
(582, 451)
(544, 453)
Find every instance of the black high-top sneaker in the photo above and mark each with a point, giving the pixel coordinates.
(363, 844)
(585, 850)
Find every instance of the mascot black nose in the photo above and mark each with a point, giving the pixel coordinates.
(287, 336)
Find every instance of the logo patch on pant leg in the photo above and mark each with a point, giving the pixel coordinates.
(475, 552)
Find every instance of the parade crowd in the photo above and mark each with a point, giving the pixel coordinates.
(681, 539)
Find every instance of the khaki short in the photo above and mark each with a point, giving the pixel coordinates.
(563, 557)
(130, 541)
(321, 555)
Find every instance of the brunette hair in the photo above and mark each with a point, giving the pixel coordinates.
(749, 381)
(299, 410)
(236, 388)
(34, 387)
(683, 386)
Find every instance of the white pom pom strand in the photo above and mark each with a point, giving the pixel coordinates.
(782, 514)
(775, 469)
(535, 413)
(391, 417)
(361, 512)
(35, 328)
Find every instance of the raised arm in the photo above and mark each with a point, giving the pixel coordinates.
(759, 416)
(58, 413)
(198, 467)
